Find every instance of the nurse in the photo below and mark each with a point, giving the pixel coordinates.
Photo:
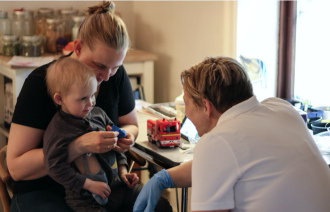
(252, 156)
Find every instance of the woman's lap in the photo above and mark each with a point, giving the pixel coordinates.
(50, 200)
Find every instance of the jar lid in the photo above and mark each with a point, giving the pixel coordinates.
(3, 14)
(79, 18)
(25, 13)
(45, 11)
(10, 37)
(53, 21)
(32, 38)
(68, 11)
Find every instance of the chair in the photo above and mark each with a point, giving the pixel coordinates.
(5, 181)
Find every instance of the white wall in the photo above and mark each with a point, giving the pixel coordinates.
(182, 34)
(257, 37)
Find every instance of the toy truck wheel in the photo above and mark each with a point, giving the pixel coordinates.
(158, 144)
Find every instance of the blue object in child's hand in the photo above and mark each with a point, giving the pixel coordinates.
(122, 133)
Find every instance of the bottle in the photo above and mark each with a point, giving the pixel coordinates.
(31, 46)
(40, 20)
(55, 40)
(5, 28)
(77, 20)
(41, 24)
(180, 107)
(67, 15)
(23, 23)
(10, 45)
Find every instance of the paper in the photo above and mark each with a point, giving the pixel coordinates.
(30, 61)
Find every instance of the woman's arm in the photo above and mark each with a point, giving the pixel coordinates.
(25, 161)
(129, 123)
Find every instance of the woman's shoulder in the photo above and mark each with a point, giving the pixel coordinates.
(39, 72)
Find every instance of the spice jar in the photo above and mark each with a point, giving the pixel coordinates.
(4, 26)
(31, 46)
(40, 20)
(10, 45)
(66, 15)
(55, 40)
(23, 23)
(77, 20)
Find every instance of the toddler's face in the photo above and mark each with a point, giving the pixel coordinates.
(80, 100)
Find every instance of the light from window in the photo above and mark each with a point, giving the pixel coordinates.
(312, 70)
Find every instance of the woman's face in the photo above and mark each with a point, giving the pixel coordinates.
(195, 114)
(104, 60)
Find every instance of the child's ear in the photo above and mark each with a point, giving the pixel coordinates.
(58, 98)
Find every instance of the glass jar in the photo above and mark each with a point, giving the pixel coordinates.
(55, 40)
(40, 20)
(77, 20)
(23, 23)
(10, 45)
(66, 15)
(31, 46)
(4, 26)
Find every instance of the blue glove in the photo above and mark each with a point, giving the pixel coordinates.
(122, 133)
(151, 191)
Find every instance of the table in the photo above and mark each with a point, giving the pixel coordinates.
(166, 158)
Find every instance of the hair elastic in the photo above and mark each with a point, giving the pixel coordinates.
(103, 9)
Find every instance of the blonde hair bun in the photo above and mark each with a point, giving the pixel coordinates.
(102, 7)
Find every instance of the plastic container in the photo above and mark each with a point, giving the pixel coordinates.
(320, 127)
(180, 107)
(5, 26)
(322, 141)
(326, 111)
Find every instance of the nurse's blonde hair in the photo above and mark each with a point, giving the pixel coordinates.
(221, 80)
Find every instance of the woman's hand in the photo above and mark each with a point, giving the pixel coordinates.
(94, 142)
(123, 144)
(131, 179)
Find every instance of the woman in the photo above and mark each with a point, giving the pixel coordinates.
(102, 43)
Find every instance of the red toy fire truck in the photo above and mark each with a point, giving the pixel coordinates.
(164, 132)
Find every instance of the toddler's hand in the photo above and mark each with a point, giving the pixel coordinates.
(97, 187)
(131, 179)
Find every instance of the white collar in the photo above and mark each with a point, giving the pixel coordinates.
(238, 109)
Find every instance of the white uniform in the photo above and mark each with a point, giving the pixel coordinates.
(260, 157)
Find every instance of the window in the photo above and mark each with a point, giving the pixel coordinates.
(312, 72)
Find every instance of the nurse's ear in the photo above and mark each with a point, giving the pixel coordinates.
(208, 107)
(58, 99)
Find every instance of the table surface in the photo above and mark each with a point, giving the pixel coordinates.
(166, 158)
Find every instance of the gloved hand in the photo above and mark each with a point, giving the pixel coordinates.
(151, 191)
